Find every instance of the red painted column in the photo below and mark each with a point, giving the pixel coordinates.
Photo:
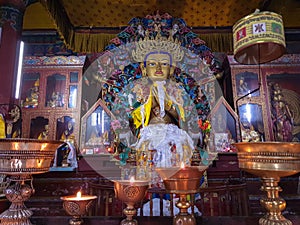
(11, 21)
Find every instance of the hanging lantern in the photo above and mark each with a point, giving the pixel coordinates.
(258, 38)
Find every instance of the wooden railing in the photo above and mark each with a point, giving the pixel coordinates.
(225, 200)
(106, 203)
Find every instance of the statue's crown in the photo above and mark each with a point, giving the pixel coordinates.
(157, 44)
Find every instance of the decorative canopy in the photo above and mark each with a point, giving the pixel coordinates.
(87, 26)
(258, 38)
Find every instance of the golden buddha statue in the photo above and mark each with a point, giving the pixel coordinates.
(31, 101)
(44, 134)
(68, 135)
(160, 116)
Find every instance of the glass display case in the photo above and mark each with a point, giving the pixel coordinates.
(267, 99)
(51, 98)
(39, 128)
(223, 125)
(97, 137)
(30, 90)
(55, 90)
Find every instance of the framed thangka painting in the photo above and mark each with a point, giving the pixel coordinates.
(246, 82)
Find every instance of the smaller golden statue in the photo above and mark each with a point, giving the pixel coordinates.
(31, 101)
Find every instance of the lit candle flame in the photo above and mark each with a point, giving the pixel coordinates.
(43, 146)
(39, 162)
(110, 150)
(16, 146)
(78, 195)
(131, 180)
(182, 165)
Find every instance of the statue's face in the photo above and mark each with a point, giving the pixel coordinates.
(156, 110)
(158, 66)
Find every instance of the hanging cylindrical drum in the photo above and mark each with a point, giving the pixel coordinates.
(258, 38)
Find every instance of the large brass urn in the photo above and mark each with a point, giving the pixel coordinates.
(270, 161)
(19, 160)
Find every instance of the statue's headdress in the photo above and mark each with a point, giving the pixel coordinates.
(159, 44)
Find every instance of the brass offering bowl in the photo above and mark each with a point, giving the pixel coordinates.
(26, 156)
(182, 181)
(19, 159)
(130, 192)
(77, 206)
(270, 161)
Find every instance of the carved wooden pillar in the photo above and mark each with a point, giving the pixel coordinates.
(11, 21)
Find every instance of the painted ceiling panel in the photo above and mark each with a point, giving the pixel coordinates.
(114, 13)
(196, 13)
